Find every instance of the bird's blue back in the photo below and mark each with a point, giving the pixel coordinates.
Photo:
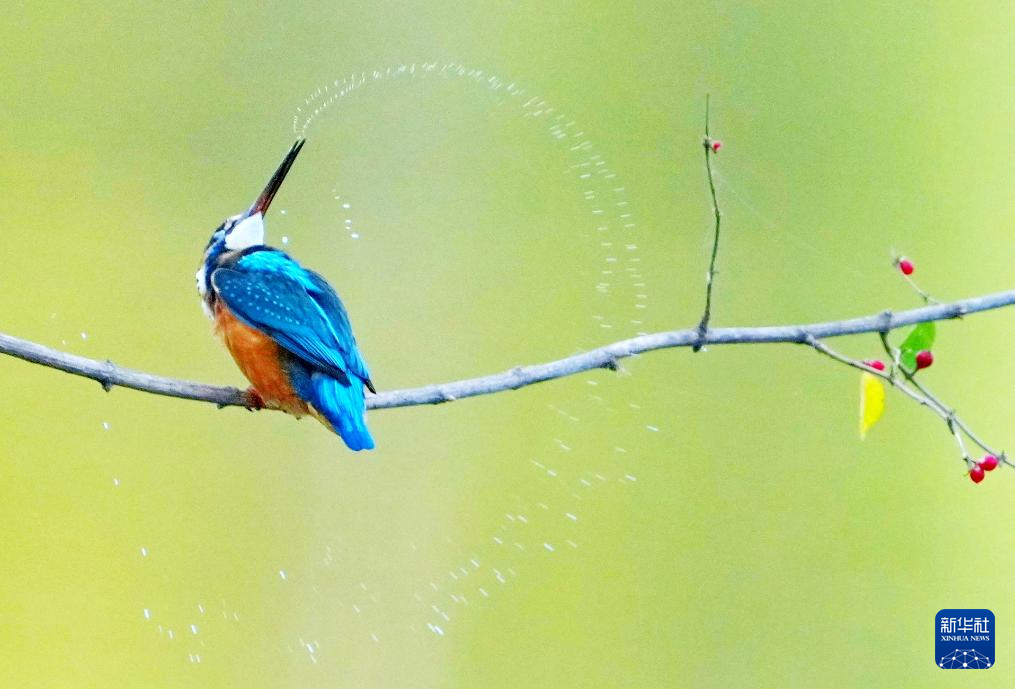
(269, 291)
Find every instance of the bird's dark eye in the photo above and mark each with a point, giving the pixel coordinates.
(218, 234)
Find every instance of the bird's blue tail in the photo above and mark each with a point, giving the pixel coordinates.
(344, 408)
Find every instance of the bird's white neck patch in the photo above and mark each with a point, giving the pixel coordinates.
(202, 277)
(246, 233)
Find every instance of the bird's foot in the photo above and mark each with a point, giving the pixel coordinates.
(253, 400)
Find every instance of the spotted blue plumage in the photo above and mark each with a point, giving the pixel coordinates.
(269, 291)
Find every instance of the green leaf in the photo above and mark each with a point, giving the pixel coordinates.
(872, 402)
(919, 338)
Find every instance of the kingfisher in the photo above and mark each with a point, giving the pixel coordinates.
(283, 324)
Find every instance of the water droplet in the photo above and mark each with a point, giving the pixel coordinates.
(281, 573)
(144, 551)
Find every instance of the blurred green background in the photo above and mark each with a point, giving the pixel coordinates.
(705, 520)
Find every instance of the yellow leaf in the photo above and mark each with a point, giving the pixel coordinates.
(872, 402)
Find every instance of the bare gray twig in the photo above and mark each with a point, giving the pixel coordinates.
(710, 275)
(955, 424)
(110, 375)
(920, 395)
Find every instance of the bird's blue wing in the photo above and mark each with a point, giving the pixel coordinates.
(329, 302)
(274, 294)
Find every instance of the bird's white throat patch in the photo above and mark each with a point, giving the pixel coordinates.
(246, 233)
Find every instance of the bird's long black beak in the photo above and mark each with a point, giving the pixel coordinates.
(264, 200)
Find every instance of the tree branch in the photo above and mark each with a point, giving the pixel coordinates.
(707, 143)
(955, 424)
(110, 375)
(925, 399)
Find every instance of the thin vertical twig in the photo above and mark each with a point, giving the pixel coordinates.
(710, 276)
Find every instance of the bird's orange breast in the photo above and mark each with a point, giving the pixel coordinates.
(260, 359)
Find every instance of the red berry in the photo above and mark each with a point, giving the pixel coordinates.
(716, 145)
(976, 474)
(906, 266)
(988, 463)
(875, 364)
(924, 358)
